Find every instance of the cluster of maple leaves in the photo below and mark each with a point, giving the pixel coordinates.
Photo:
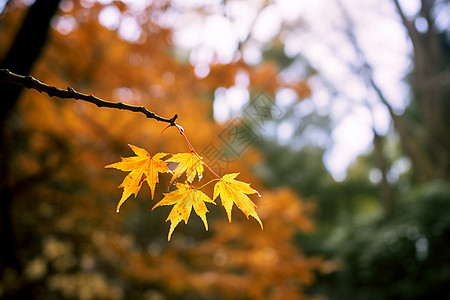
(146, 167)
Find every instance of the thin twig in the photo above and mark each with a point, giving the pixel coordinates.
(69, 93)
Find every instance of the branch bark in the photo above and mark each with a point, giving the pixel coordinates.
(387, 192)
(69, 93)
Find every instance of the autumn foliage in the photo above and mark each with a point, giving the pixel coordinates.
(145, 167)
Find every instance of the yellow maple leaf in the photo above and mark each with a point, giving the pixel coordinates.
(189, 162)
(234, 191)
(184, 198)
(142, 167)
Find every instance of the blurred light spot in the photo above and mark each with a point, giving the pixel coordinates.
(422, 248)
(289, 10)
(242, 14)
(66, 6)
(267, 24)
(82, 15)
(229, 102)
(109, 17)
(285, 132)
(123, 94)
(137, 5)
(201, 70)
(129, 29)
(36, 269)
(242, 79)
(237, 97)
(168, 78)
(316, 136)
(442, 19)
(212, 39)
(188, 35)
(381, 118)
(156, 91)
(352, 136)
(375, 175)
(410, 7)
(391, 176)
(252, 54)
(421, 25)
(305, 107)
(181, 4)
(87, 3)
(201, 55)
(2, 6)
(285, 97)
(218, 35)
(401, 166)
(64, 24)
(221, 110)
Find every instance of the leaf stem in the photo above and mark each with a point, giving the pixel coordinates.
(212, 171)
(157, 140)
(181, 130)
(212, 180)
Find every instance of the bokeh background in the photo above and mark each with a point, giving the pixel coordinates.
(335, 110)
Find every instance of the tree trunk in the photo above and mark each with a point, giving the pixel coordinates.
(387, 193)
(430, 75)
(25, 49)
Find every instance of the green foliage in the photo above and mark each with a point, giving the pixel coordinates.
(305, 171)
(404, 258)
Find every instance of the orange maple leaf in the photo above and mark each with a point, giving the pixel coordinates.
(184, 199)
(189, 162)
(234, 191)
(142, 167)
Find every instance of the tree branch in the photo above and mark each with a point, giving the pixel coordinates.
(69, 93)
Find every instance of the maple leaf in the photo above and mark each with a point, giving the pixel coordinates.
(184, 199)
(234, 191)
(142, 167)
(189, 162)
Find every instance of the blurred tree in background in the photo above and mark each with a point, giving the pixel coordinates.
(61, 235)
(390, 231)
(382, 232)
